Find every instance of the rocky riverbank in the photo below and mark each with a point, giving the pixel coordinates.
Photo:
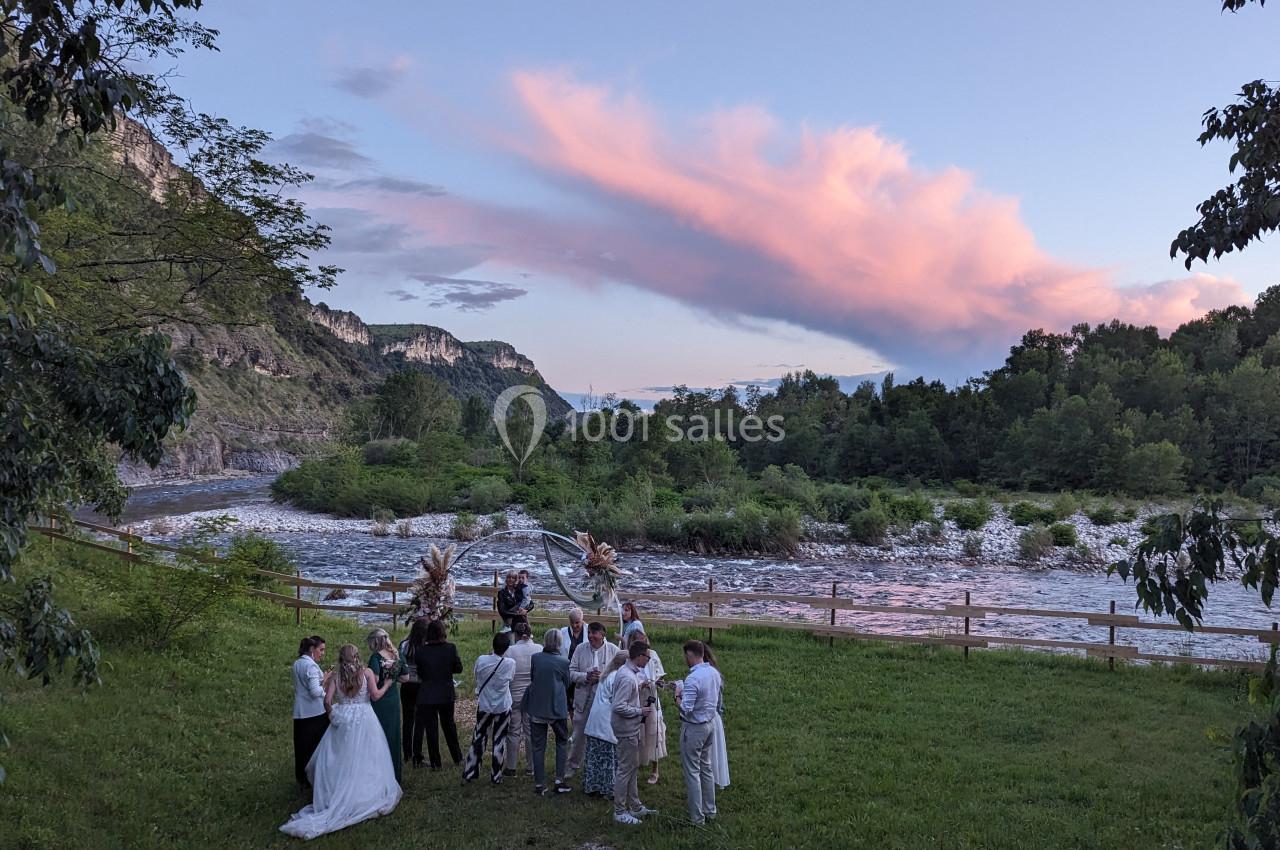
(1098, 545)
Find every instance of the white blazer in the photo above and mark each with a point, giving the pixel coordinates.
(308, 692)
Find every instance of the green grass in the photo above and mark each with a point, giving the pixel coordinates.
(859, 745)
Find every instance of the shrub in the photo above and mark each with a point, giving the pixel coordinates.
(1064, 506)
(498, 521)
(1104, 514)
(1029, 513)
(973, 545)
(790, 484)
(785, 529)
(464, 527)
(404, 529)
(488, 494)
(1035, 542)
(906, 511)
(382, 519)
(967, 488)
(396, 451)
(840, 501)
(970, 514)
(253, 552)
(1083, 553)
(1154, 469)
(930, 532)
(178, 596)
(1129, 514)
(1063, 534)
(1259, 484)
(1119, 541)
(869, 525)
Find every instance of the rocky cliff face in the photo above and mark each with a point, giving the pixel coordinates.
(343, 324)
(434, 346)
(135, 147)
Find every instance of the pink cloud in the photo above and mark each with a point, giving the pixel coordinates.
(834, 230)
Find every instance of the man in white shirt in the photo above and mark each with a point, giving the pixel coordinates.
(493, 675)
(586, 668)
(518, 727)
(310, 717)
(699, 700)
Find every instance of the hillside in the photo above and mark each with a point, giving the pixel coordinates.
(268, 393)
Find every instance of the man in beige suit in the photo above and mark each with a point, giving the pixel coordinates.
(628, 716)
(586, 668)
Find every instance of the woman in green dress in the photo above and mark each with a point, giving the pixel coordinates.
(386, 664)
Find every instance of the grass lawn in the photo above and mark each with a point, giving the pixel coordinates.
(858, 745)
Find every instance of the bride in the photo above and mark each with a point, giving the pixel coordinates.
(351, 770)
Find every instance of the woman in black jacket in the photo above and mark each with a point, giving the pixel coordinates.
(437, 662)
(509, 598)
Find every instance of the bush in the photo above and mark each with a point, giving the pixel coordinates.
(1029, 513)
(969, 515)
(382, 519)
(1064, 506)
(1256, 486)
(1035, 542)
(404, 529)
(488, 494)
(967, 488)
(869, 525)
(1104, 514)
(1119, 541)
(464, 527)
(396, 451)
(840, 501)
(179, 596)
(1063, 534)
(930, 532)
(906, 511)
(498, 521)
(252, 552)
(1154, 469)
(973, 545)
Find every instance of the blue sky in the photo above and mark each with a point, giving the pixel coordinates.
(641, 195)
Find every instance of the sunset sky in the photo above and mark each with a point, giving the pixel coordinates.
(638, 195)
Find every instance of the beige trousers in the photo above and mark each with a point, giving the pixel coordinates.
(626, 790)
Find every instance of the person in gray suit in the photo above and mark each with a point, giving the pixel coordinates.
(547, 704)
(310, 716)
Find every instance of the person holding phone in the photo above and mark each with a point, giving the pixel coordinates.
(628, 717)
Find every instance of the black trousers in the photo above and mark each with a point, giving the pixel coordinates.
(429, 715)
(408, 716)
(307, 732)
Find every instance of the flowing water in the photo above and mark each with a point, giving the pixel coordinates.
(363, 558)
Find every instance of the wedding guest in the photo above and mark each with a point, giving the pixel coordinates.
(310, 717)
(509, 601)
(627, 716)
(437, 662)
(353, 779)
(493, 674)
(600, 761)
(518, 729)
(409, 683)
(571, 637)
(547, 706)
(630, 622)
(653, 741)
(387, 666)
(719, 749)
(526, 592)
(586, 666)
(699, 704)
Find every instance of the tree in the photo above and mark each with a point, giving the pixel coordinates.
(413, 403)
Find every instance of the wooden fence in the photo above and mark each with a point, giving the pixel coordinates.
(954, 621)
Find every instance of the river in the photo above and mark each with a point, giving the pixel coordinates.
(357, 557)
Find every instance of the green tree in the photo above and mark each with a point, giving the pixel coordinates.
(413, 403)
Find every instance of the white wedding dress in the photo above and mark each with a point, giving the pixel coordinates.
(351, 771)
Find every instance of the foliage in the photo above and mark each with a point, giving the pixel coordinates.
(498, 521)
(969, 514)
(464, 527)
(870, 525)
(393, 451)
(40, 638)
(489, 494)
(1065, 506)
(1063, 534)
(181, 595)
(972, 545)
(1035, 542)
(1154, 469)
(250, 552)
(1029, 513)
(1103, 514)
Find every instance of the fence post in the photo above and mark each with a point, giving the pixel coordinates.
(711, 607)
(493, 624)
(831, 639)
(966, 624)
(394, 620)
(1111, 637)
(297, 594)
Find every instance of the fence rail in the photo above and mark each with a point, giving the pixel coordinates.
(956, 615)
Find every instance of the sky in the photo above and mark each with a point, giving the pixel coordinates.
(644, 195)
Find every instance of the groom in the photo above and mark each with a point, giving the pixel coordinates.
(310, 720)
